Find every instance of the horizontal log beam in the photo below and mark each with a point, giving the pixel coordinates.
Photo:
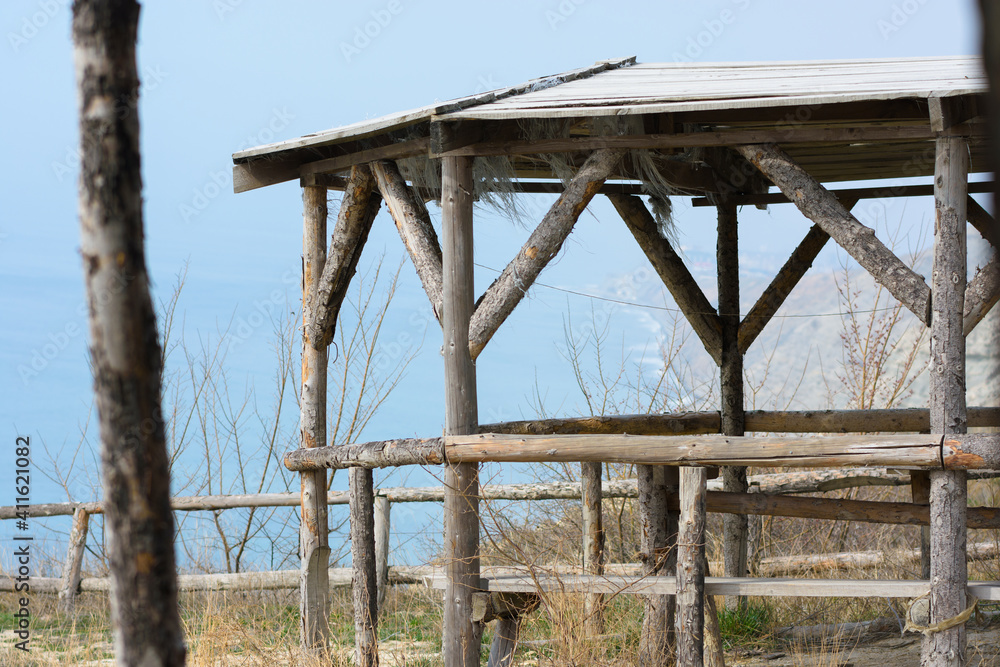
(765, 587)
(897, 420)
(822, 207)
(862, 559)
(340, 577)
(696, 140)
(396, 151)
(981, 294)
(675, 276)
(816, 481)
(383, 454)
(956, 452)
(847, 194)
(904, 451)
(837, 509)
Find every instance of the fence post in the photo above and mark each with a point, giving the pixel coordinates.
(691, 568)
(74, 561)
(382, 509)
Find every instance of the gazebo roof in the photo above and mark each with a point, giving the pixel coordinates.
(841, 120)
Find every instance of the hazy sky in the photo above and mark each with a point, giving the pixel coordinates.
(219, 76)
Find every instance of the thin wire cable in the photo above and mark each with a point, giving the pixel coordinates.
(678, 310)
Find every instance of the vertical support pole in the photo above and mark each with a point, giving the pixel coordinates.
(672, 488)
(462, 636)
(364, 592)
(314, 581)
(654, 641)
(74, 561)
(734, 478)
(949, 571)
(920, 492)
(691, 567)
(593, 542)
(504, 642)
(382, 523)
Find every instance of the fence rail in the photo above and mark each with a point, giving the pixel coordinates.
(71, 582)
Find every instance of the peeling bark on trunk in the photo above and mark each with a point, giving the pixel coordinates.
(358, 209)
(125, 353)
(949, 570)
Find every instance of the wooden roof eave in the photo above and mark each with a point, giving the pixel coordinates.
(440, 135)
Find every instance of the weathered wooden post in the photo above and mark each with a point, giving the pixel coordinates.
(382, 522)
(74, 560)
(948, 494)
(734, 478)
(920, 492)
(654, 520)
(125, 353)
(314, 604)
(462, 636)
(364, 591)
(691, 567)
(593, 542)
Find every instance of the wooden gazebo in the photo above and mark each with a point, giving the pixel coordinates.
(727, 134)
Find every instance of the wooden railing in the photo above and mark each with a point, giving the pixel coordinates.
(762, 500)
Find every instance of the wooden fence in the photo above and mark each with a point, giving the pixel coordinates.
(768, 498)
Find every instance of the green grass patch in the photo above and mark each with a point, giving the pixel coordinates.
(746, 625)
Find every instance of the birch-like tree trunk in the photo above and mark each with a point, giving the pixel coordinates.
(123, 340)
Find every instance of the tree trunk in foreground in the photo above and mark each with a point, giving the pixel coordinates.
(123, 340)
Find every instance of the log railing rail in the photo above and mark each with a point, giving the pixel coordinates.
(769, 497)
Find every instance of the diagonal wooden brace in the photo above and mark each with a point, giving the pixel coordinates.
(497, 303)
(822, 207)
(784, 282)
(357, 213)
(672, 271)
(415, 228)
(981, 294)
(984, 223)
